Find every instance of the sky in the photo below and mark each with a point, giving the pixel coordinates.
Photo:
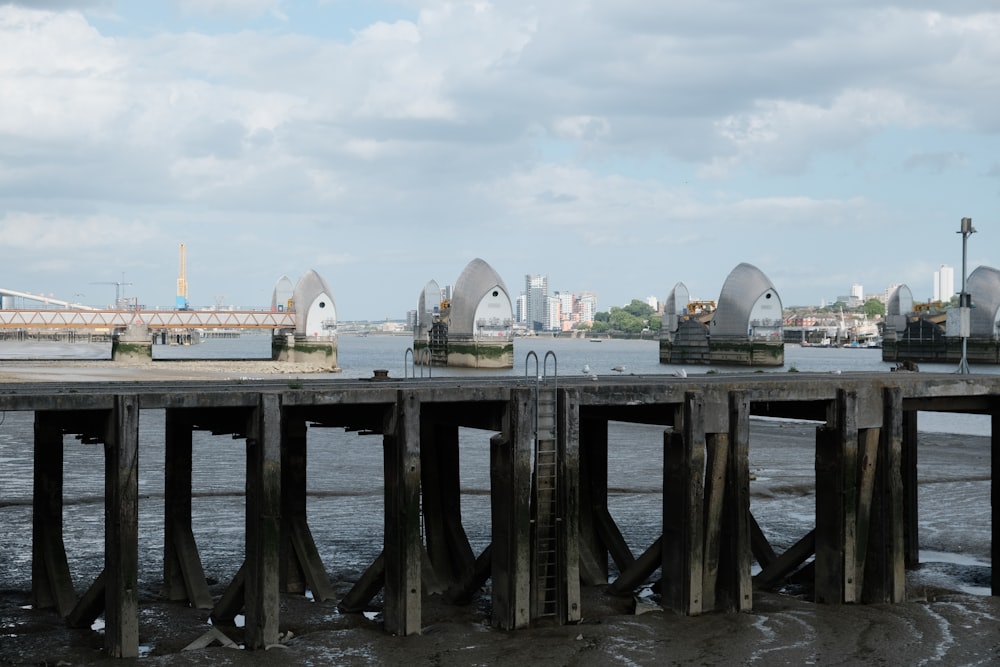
(616, 147)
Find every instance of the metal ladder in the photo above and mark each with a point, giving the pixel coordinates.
(545, 556)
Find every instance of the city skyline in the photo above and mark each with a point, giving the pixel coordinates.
(386, 143)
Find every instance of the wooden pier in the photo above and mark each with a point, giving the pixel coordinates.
(551, 528)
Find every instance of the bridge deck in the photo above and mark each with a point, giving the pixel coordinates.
(153, 319)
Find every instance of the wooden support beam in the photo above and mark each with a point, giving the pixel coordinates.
(884, 573)
(868, 452)
(908, 471)
(263, 524)
(301, 565)
(786, 563)
(472, 579)
(735, 587)
(366, 588)
(683, 510)
(717, 462)
(183, 574)
(441, 493)
(91, 604)
(995, 494)
(121, 529)
(231, 602)
(759, 545)
(403, 545)
(510, 483)
(594, 500)
(640, 570)
(51, 583)
(568, 604)
(836, 503)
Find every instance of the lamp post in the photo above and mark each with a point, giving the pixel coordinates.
(964, 302)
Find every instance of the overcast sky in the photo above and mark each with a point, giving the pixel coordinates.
(619, 147)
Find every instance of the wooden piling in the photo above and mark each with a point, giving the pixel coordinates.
(51, 583)
(510, 484)
(908, 470)
(263, 523)
(447, 543)
(121, 529)
(403, 546)
(568, 604)
(683, 510)
(183, 574)
(735, 585)
(593, 499)
(995, 497)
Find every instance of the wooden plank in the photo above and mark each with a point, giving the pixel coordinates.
(294, 488)
(736, 585)
(868, 442)
(193, 575)
(472, 579)
(759, 545)
(441, 494)
(51, 582)
(178, 462)
(510, 484)
(836, 503)
(717, 448)
(683, 510)
(403, 544)
(121, 530)
(908, 472)
(611, 536)
(263, 524)
(90, 605)
(885, 574)
(569, 604)
(995, 493)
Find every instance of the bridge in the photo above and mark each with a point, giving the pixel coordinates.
(93, 319)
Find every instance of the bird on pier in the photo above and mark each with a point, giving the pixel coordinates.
(681, 373)
(618, 369)
(586, 369)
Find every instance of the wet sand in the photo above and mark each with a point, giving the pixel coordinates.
(941, 623)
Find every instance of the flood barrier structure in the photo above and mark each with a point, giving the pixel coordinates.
(551, 528)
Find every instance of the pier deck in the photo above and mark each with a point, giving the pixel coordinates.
(551, 529)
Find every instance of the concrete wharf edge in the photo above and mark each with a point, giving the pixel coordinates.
(551, 528)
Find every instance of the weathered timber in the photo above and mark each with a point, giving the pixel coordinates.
(640, 569)
(51, 583)
(868, 444)
(183, 574)
(263, 524)
(734, 590)
(593, 475)
(836, 503)
(403, 545)
(717, 449)
(472, 579)
(510, 485)
(995, 493)
(447, 543)
(908, 470)
(366, 588)
(568, 604)
(787, 563)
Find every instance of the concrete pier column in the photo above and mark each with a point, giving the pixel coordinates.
(121, 529)
(263, 523)
(133, 344)
(403, 546)
(510, 483)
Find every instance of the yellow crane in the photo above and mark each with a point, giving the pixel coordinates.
(182, 284)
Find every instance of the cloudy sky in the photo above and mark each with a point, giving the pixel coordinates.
(619, 147)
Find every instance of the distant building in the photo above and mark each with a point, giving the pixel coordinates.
(944, 283)
(536, 290)
(586, 305)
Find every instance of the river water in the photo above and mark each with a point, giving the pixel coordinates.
(345, 477)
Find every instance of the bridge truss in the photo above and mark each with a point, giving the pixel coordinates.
(153, 319)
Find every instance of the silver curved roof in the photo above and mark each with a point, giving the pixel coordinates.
(740, 293)
(984, 287)
(310, 288)
(470, 288)
(429, 303)
(900, 302)
(678, 295)
(283, 291)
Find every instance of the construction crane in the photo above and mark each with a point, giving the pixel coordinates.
(119, 291)
(182, 284)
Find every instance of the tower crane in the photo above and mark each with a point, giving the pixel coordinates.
(119, 290)
(182, 285)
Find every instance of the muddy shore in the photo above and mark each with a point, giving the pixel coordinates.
(941, 623)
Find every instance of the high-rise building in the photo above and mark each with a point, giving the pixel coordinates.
(944, 283)
(586, 303)
(536, 289)
(857, 293)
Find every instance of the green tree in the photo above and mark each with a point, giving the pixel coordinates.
(874, 308)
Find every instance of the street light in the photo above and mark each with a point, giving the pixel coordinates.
(964, 298)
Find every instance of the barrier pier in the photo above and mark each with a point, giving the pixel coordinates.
(551, 528)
